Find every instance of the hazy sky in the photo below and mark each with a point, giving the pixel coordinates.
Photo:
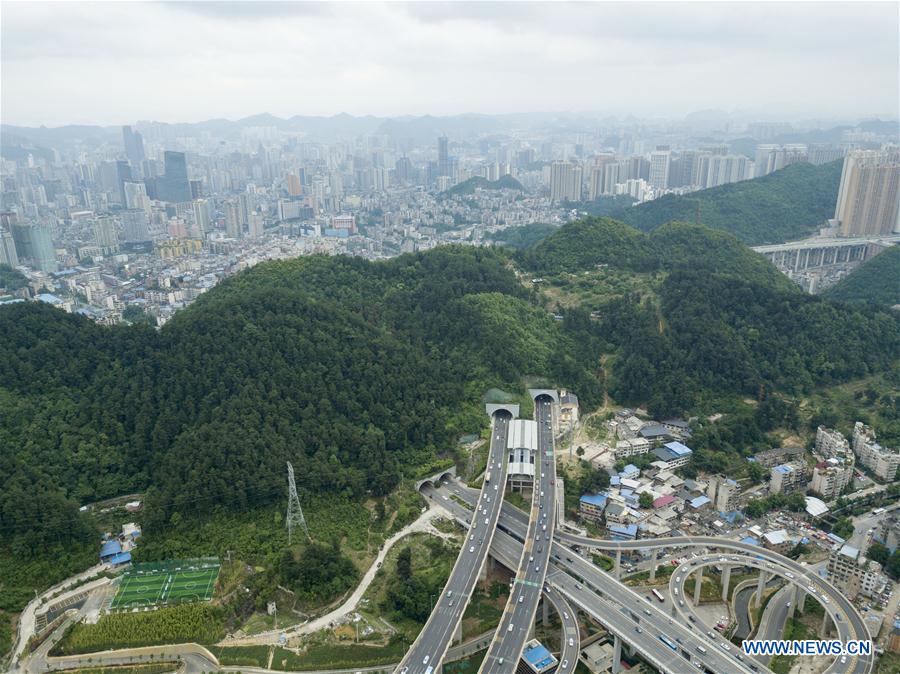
(101, 63)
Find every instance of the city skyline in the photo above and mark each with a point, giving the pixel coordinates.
(647, 59)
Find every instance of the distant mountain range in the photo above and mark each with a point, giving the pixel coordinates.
(405, 130)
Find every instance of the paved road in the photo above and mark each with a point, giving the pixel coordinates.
(592, 590)
(804, 577)
(774, 618)
(518, 616)
(839, 604)
(571, 637)
(430, 646)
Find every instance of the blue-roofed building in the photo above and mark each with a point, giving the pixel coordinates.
(623, 532)
(591, 507)
(750, 540)
(110, 549)
(120, 558)
(615, 481)
(630, 472)
(699, 503)
(538, 658)
(674, 454)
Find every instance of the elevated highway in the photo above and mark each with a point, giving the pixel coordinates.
(443, 625)
(619, 609)
(518, 615)
(805, 582)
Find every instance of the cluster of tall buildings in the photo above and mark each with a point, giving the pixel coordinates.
(868, 202)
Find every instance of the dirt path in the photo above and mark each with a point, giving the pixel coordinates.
(422, 525)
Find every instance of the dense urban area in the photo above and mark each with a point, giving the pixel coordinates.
(479, 352)
(549, 253)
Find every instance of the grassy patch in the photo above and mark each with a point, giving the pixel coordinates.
(251, 656)
(604, 562)
(483, 612)
(516, 499)
(889, 663)
(152, 668)
(339, 656)
(468, 665)
(643, 577)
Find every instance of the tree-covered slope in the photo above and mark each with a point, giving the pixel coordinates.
(357, 372)
(582, 245)
(588, 242)
(783, 206)
(506, 182)
(876, 281)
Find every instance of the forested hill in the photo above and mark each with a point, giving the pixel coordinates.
(876, 281)
(357, 372)
(477, 182)
(783, 206)
(582, 245)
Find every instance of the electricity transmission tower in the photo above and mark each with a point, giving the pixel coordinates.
(294, 511)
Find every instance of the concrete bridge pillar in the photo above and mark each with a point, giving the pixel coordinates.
(698, 586)
(617, 655)
(799, 599)
(726, 581)
(653, 563)
(760, 588)
(826, 625)
(545, 612)
(457, 635)
(618, 567)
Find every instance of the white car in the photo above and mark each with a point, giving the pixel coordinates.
(472, 548)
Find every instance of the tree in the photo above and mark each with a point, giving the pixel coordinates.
(646, 500)
(843, 528)
(877, 552)
(580, 451)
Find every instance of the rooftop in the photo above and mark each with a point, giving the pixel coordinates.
(598, 500)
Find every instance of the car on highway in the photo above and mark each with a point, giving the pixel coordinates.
(471, 548)
(510, 628)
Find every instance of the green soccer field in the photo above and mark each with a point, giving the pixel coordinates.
(169, 584)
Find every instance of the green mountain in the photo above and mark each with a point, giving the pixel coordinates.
(782, 206)
(364, 374)
(588, 242)
(582, 245)
(359, 373)
(876, 281)
(469, 186)
(522, 236)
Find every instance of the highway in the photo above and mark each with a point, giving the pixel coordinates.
(854, 622)
(774, 618)
(571, 636)
(431, 645)
(803, 577)
(596, 592)
(518, 616)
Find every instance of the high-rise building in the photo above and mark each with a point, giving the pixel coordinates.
(34, 242)
(8, 253)
(565, 181)
(201, 215)
(831, 477)
(443, 165)
(292, 183)
(724, 169)
(175, 187)
(135, 225)
(882, 461)
(134, 145)
(831, 443)
(660, 162)
(869, 196)
(724, 493)
(136, 197)
(234, 223)
(106, 234)
(788, 477)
